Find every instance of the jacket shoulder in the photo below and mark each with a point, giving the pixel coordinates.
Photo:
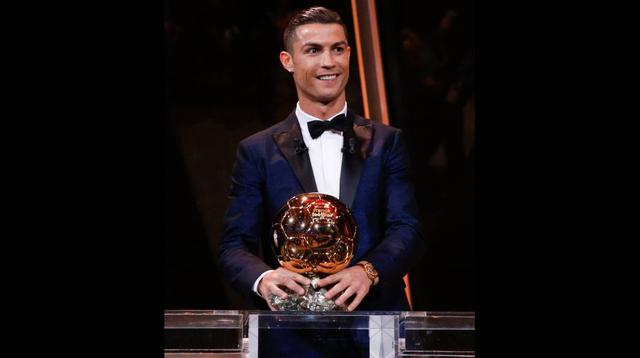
(264, 136)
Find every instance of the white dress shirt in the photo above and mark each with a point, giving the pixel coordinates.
(325, 153)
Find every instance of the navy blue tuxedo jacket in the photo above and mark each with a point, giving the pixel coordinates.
(272, 166)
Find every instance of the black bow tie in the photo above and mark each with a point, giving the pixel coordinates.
(316, 128)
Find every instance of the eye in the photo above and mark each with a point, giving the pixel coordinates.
(338, 50)
(312, 50)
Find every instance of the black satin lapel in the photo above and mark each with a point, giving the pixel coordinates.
(352, 161)
(299, 162)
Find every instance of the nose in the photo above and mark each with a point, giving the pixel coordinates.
(327, 60)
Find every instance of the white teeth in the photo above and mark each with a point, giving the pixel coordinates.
(330, 77)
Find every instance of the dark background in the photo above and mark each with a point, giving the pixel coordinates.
(224, 82)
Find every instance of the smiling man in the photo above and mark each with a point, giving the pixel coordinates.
(323, 147)
(318, 56)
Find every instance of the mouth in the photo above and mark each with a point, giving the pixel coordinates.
(330, 77)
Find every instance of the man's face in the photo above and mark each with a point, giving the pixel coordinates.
(319, 60)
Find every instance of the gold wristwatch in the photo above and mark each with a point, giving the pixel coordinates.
(370, 271)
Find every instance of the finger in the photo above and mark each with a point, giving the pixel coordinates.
(339, 287)
(329, 280)
(278, 292)
(271, 307)
(345, 296)
(293, 286)
(356, 301)
(284, 273)
(301, 279)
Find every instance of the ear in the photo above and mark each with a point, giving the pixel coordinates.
(287, 61)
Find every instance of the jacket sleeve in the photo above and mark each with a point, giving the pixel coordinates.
(243, 223)
(402, 244)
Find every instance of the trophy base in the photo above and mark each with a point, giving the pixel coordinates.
(312, 300)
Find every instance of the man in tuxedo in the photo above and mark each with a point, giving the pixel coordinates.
(323, 147)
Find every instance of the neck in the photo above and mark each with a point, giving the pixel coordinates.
(323, 110)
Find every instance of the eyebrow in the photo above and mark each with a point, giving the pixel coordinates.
(319, 45)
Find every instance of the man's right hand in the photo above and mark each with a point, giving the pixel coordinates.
(272, 282)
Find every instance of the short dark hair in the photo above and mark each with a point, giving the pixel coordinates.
(312, 15)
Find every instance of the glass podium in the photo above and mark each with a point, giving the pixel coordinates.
(212, 333)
